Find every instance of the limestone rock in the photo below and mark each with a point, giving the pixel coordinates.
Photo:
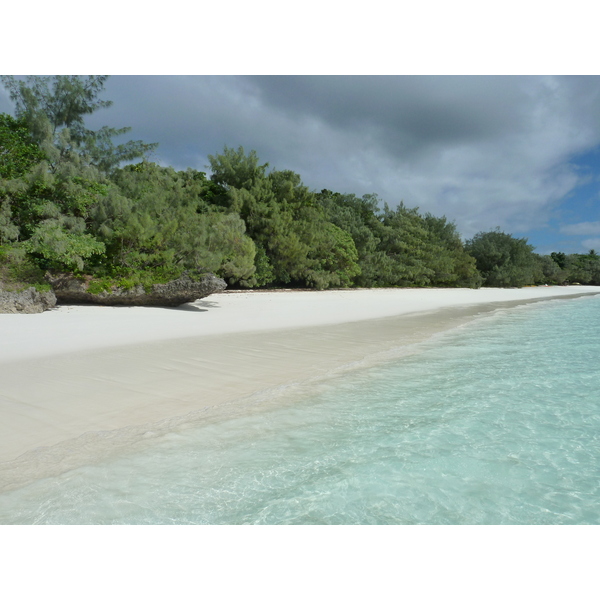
(73, 290)
(28, 301)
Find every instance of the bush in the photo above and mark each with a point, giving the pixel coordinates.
(18, 271)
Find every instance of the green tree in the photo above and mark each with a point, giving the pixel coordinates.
(559, 258)
(157, 219)
(502, 260)
(296, 244)
(583, 268)
(549, 271)
(9, 232)
(18, 151)
(400, 246)
(405, 241)
(40, 194)
(54, 109)
(360, 218)
(333, 258)
(63, 243)
(57, 169)
(447, 257)
(236, 169)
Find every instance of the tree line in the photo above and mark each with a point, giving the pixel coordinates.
(67, 204)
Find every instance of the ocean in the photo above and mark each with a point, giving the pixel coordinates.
(494, 422)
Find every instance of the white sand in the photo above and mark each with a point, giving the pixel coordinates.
(73, 371)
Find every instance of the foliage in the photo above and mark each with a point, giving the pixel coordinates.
(502, 260)
(400, 246)
(549, 272)
(54, 109)
(62, 243)
(583, 268)
(296, 242)
(155, 218)
(40, 194)
(127, 280)
(65, 204)
(360, 218)
(18, 152)
(452, 265)
(236, 169)
(8, 230)
(335, 258)
(18, 271)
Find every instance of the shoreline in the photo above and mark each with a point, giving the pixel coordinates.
(133, 374)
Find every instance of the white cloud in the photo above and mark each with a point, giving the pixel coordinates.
(591, 244)
(587, 228)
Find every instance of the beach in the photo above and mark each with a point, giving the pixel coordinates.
(81, 382)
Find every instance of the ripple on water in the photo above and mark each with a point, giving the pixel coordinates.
(497, 422)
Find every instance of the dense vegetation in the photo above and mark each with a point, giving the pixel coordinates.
(67, 204)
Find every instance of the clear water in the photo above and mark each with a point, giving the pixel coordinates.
(494, 423)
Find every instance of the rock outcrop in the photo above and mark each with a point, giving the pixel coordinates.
(28, 301)
(73, 290)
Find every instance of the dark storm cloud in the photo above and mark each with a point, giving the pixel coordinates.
(190, 117)
(408, 115)
(409, 110)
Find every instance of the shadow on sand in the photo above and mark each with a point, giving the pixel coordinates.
(197, 306)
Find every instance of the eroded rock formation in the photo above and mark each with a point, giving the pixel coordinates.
(28, 301)
(73, 290)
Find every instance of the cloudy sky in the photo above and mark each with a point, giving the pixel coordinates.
(517, 152)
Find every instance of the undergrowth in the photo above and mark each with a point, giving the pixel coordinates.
(18, 272)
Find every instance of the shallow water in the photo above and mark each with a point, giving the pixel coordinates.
(497, 422)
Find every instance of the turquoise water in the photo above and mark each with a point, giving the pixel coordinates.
(497, 422)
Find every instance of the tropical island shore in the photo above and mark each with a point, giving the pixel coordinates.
(80, 382)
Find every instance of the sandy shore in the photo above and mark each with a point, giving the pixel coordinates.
(81, 380)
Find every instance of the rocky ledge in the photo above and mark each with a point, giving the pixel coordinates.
(73, 290)
(28, 301)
